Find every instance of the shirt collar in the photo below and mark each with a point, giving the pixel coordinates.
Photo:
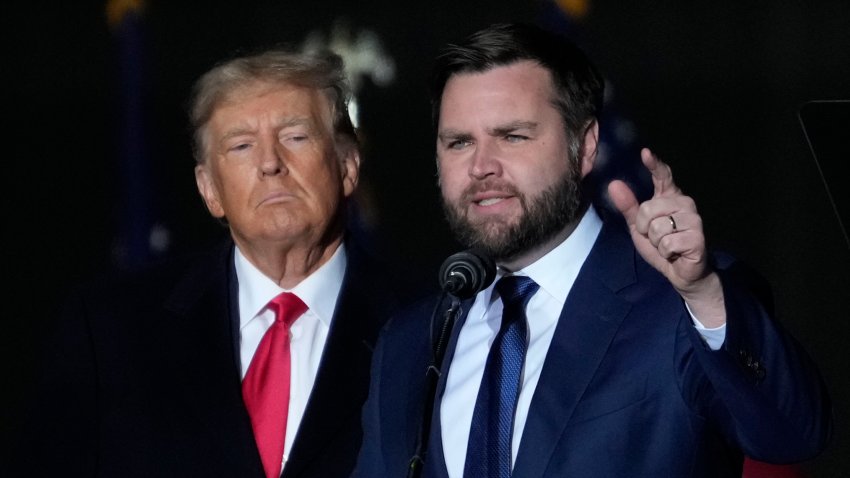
(319, 290)
(556, 271)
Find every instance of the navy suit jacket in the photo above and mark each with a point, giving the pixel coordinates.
(628, 388)
(144, 379)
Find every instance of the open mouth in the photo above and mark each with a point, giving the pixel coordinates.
(490, 201)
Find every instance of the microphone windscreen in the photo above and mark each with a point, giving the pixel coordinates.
(466, 273)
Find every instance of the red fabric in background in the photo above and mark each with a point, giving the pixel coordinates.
(758, 469)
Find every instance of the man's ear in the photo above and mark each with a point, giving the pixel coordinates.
(207, 188)
(590, 147)
(350, 169)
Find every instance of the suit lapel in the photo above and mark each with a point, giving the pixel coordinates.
(588, 322)
(334, 409)
(201, 340)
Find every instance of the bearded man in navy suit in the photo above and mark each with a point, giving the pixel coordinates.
(644, 354)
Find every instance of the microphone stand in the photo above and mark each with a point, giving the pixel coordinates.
(432, 376)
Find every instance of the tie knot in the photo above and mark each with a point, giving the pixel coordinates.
(515, 291)
(287, 307)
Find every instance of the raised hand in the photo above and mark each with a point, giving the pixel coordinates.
(667, 232)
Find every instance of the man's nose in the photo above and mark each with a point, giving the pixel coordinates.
(272, 160)
(485, 160)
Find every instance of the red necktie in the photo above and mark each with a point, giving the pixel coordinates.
(265, 387)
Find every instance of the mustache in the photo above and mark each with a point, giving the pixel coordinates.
(490, 185)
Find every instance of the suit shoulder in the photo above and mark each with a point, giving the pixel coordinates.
(413, 317)
(153, 281)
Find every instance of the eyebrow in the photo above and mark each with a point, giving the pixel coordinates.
(314, 127)
(511, 127)
(507, 128)
(298, 121)
(453, 135)
(282, 123)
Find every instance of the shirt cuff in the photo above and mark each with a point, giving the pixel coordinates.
(714, 338)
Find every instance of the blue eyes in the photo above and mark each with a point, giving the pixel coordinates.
(458, 144)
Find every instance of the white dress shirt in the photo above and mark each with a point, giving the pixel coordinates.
(319, 291)
(555, 273)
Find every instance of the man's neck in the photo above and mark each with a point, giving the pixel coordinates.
(288, 264)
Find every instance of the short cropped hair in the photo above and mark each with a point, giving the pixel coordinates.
(578, 84)
(323, 71)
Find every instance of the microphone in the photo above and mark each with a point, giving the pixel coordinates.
(466, 273)
(462, 275)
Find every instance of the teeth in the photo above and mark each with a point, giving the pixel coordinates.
(490, 202)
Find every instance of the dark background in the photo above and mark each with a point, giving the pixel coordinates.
(713, 87)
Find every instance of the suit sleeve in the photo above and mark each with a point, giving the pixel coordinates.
(768, 396)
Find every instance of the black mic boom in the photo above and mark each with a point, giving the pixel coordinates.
(466, 273)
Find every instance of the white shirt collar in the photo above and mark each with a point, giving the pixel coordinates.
(319, 290)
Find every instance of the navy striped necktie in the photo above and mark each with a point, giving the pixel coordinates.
(488, 453)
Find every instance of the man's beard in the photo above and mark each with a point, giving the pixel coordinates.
(543, 216)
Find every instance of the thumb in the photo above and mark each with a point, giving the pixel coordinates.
(624, 200)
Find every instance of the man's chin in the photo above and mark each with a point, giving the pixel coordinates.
(491, 224)
(486, 233)
(488, 237)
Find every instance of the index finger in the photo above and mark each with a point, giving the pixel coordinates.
(662, 175)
